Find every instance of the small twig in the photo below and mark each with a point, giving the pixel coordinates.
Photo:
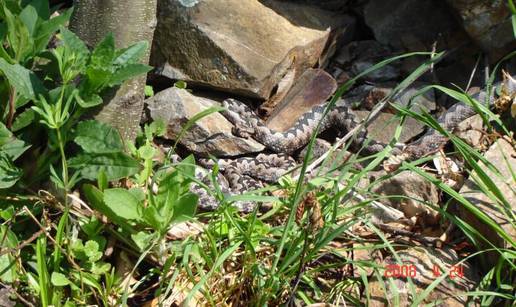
(433, 53)
(12, 101)
(23, 244)
(472, 75)
(391, 213)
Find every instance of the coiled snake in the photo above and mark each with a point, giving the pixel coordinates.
(245, 174)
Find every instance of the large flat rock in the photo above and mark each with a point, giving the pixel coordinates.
(241, 46)
(210, 135)
(503, 156)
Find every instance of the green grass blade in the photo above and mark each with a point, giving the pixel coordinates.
(220, 260)
(43, 275)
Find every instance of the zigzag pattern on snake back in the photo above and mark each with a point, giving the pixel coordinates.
(340, 116)
(240, 175)
(246, 173)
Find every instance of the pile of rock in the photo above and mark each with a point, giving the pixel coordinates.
(292, 55)
(288, 56)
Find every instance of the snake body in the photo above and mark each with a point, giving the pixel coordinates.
(433, 140)
(340, 116)
(240, 175)
(246, 173)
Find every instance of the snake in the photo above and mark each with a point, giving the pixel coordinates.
(249, 173)
(239, 175)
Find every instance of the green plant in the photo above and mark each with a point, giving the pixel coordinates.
(299, 252)
(74, 80)
(48, 91)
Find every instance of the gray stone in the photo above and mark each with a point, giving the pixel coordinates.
(210, 135)
(501, 155)
(427, 263)
(386, 73)
(6, 296)
(408, 23)
(413, 190)
(241, 46)
(384, 126)
(488, 23)
(470, 130)
(362, 55)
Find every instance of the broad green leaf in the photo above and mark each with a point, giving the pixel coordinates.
(18, 36)
(89, 101)
(187, 167)
(59, 279)
(9, 174)
(29, 16)
(131, 54)
(143, 240)
(98, 77)
(146, 152)
(96, 137)
(127, 72)
(4, 54)
(138, 193)
(26, 118)
(73, 42)
(42, 8)
(122, 203)
(24, 81)
(99, 268)
(88, 279)
(153, 218)
(104, 52)
(102, 181)
(15, 148)
(92, 227)
(168, 193)
(157, 128)
(185, 208)
(116, 165)
(10, 145)
(5, 135)
(96, 200)
(7, 213)
(8, 266)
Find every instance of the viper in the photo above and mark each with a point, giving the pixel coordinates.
(243, 174)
